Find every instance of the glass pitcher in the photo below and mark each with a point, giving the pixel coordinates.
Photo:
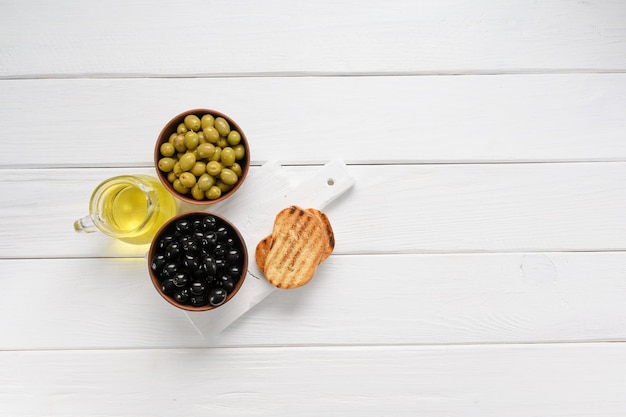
(131, 208)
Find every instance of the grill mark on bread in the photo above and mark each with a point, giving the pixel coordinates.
(328, 229)
(295, 232)
(295, 254)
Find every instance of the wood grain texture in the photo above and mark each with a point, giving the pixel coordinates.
(352, 300)
(480, 381)
(480, 267)
(378, 120)
(192, 37)
(427, 209)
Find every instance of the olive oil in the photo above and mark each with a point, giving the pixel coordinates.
(131, 208)
(127, 209)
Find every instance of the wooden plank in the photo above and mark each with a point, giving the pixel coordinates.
(390, 209)
(117, 38)
(365, 300)
(311, 120)
(480, 381)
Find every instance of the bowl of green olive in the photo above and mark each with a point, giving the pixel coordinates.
(202, 156)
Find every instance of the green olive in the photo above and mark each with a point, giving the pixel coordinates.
(222, 126)
(213, 193)
(205, 182)
(187, 179)
(214, 168)
(201, 138)
(192, 122)
(197, 193)
(228, 156)
(211, 134)
(166, 164)
(217, 154)
(191, 140)
(234, 138)
(236, 168)
(240, 151)
(222, 142)
(177, 169)
(207, 121)
(171, 138)
(198, 168)
(181, 128)
(187, 161)
(228, 177)
(167, 149)
(224, 188)
(180, 187)
(171, 176)
(205, 150)
(179, 143)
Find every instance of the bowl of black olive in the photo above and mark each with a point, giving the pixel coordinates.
(198, 261)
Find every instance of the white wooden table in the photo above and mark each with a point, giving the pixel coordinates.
(480, 266)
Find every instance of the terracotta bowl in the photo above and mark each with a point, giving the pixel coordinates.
(198, 261)
(171, 127)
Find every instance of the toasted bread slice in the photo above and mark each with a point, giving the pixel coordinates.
(298, 243)
(260, 254)
(263, 246)
(330, 235)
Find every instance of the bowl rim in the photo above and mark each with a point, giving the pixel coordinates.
(163, 136)
(155, 280)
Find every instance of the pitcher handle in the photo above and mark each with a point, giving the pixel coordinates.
(85, 225)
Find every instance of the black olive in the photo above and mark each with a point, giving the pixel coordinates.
(181, 279)
(220, 264)
(232, 255)
(208, 240)
(173, 250)
(219, 250)
(208, 223)
(198, 288)
(222, 232)
(191, 246)
(196, 225)
(227, 282)
(169, 270)
(191, 263)
(164, 242)
(234, 271)
(182, 295)
(198, 300)
(209, 265)
(183, 225)
(168, 286)
(158, 262)
(217, 296)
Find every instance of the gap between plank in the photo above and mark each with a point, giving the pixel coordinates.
(356, 163)
(306, 74)
(354, 346)
(398, 253)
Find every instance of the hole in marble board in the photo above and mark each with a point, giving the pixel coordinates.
(330, 181)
